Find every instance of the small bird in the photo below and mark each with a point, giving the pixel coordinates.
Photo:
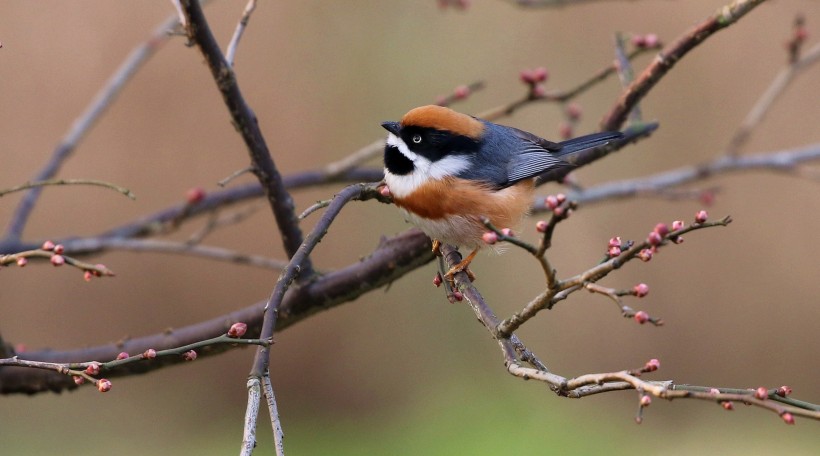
(448, 170)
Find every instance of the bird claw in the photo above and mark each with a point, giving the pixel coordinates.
(450, 275)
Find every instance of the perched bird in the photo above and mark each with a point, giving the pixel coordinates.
(447, 170)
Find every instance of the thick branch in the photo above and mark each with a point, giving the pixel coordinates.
(392, 259)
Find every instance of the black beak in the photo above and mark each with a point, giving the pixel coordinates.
(392, 127)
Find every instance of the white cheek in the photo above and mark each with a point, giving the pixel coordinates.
(423, 171)
(448, 166)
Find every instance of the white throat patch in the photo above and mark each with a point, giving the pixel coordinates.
(423, 169)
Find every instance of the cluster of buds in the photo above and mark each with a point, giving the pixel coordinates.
(648, 41)
(57, 258)
(661, 231)
(572, 112)
(535, 79)
(555, 203)
(491, 237)
(614, 247)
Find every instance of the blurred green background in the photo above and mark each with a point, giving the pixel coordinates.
(401, 371)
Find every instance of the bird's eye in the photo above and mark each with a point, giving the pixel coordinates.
(417, 139)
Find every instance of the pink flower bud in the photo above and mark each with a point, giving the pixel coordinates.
(490, 237)
(652, 365)
(122, 355)
(761, 393)
(195, 195)
(57, 260)
(645, 255)
(701, 216)
(541, 226)
(48, 245)
(641, 290)
(561, 198)
(527, 76)
(788, 418)
(662, 229)
(437, 280)
(540, 74)
(784, 391)
(714, 391)
(574, 111)
(677, 239)
(646, 400)
(507, 232)
(104, 385)
(22, 262)
(641, 317)
(677, 225)
(189, 355)
(237, 330)
(87, 275)
(558, 211)
(615, 242)
(461, 92)
(59, 249)
(654, 238)
(613, 251)
(78, 380)
(551, 201)
(149, 354)
(458, 296)
(638, 41)
(93, 369)
(651, 40)
(728, 405)
(565, 131)
(538, 91)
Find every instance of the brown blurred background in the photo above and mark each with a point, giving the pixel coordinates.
(402, 371)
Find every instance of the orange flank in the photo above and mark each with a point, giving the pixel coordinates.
(452, 196)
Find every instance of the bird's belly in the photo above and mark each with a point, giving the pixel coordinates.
(462, 231)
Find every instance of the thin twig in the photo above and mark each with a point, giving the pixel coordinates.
(782, 161)
(276, 422)
(230, 53)
(177, 248)
(251, 416)
(44, 183)
(779, 85)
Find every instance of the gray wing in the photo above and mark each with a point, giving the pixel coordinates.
(533, 156)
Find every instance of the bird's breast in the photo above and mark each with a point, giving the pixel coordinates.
(451, 209)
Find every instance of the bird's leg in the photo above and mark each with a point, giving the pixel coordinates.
(437, 247)
(462, 266)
